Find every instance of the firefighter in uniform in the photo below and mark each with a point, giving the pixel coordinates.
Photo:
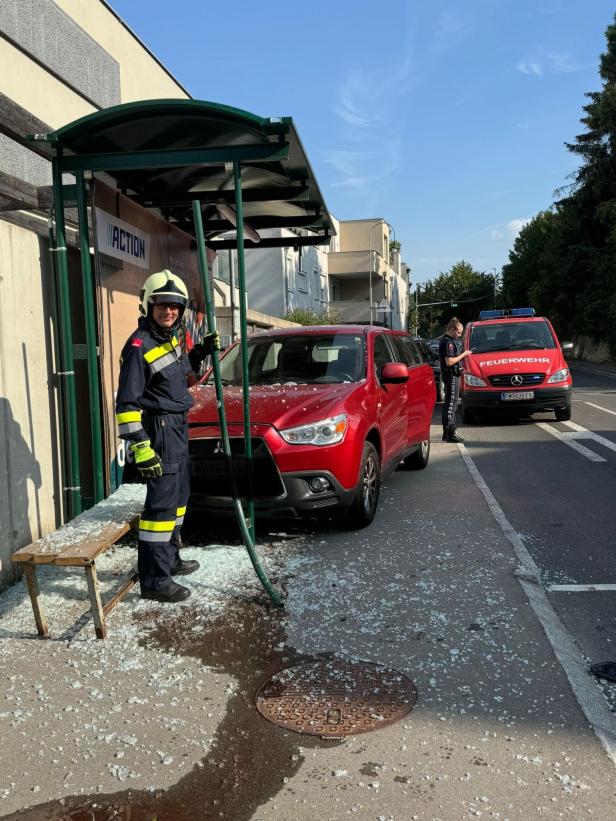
(450, 371)
(152, 405)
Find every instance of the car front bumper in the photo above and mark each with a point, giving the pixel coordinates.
(544, 399)
(296, 500)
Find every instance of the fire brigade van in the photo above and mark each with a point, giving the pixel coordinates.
(517, 364)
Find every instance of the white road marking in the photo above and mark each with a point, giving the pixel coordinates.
(579, 588)
(598, 407)
(568, 439)
(588, 695)
(584, 433)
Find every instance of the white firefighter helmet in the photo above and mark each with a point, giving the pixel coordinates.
(163, 286)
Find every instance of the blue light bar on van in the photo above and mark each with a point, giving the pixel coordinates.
(522, 312)
(506, 312)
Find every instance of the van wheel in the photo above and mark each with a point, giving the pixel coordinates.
(420, 458)
(364, 505)
(563, 414)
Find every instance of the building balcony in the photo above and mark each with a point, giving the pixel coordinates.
(353, 310)
(356, 264)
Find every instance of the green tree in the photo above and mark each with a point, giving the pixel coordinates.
(564, 261)
(462, 291)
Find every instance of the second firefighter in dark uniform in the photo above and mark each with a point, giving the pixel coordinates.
(450, 372)
(152, 405)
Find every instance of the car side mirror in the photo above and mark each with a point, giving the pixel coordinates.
(394, 373)
(567, 346)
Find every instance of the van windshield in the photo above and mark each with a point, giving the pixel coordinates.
(299, 359)
(511, 336)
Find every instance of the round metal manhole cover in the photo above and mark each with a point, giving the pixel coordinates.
(336, 698)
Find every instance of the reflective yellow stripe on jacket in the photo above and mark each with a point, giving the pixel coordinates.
(164, 355)
(128, 422)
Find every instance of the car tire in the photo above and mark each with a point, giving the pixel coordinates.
(363, 507)
(563, 414)
(420, 458)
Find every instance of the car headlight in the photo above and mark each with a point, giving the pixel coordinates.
(325, 432)
(560, 375)
(474, 381)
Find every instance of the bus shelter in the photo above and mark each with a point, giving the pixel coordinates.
(205, 168)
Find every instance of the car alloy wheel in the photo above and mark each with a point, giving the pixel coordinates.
(363, 507)
(370, 484)
(420, 458)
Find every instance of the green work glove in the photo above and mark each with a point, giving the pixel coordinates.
(147, 460)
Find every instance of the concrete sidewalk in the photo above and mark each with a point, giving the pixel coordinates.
(159, 720)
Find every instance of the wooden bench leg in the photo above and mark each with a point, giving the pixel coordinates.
(35, 598)
(95, 602)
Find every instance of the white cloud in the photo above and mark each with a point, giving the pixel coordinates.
(515, 226)
(496, 234)
(450, 30)
(561, 62)
(368, 104)
(530, 67)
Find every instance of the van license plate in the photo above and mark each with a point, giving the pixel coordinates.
(508, 397)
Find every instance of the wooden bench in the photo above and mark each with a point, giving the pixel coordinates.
(78, 544)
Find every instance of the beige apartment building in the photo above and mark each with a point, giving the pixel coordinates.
(367, 282)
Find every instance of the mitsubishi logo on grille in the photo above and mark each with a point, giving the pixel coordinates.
(516, 380)
(218, 448)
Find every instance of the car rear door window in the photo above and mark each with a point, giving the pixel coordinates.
(405, 350)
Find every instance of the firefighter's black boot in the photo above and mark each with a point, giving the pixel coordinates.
(452, 436)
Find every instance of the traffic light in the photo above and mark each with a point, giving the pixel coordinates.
(454, 304)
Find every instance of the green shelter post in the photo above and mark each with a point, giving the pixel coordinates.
(91, 346)
(241, 281)
(73, 487)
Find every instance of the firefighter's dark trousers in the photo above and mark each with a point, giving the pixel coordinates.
(165, 502)
(450, 402)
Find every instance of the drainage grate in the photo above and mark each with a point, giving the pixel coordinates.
(336, 698)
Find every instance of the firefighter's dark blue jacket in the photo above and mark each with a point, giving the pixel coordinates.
(154, 375)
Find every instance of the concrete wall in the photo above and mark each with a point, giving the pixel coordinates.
(29, 485)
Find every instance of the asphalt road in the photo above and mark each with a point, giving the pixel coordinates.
(561, 500)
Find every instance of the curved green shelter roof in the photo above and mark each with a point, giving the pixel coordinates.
(166, 153)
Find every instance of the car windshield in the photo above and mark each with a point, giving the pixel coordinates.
(296, 358)
(511, 336)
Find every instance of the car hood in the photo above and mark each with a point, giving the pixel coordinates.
(282, 406)
(530, 361)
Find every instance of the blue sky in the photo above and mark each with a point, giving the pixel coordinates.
(447, 119)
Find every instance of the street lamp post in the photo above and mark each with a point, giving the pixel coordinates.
(372, 227)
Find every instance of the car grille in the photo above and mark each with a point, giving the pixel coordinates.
(210, 469)
(503, 380)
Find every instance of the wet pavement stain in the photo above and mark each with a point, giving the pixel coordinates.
(250, 759)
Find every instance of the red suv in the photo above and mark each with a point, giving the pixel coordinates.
(333, 410)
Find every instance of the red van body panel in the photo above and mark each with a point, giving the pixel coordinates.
(517, 364)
